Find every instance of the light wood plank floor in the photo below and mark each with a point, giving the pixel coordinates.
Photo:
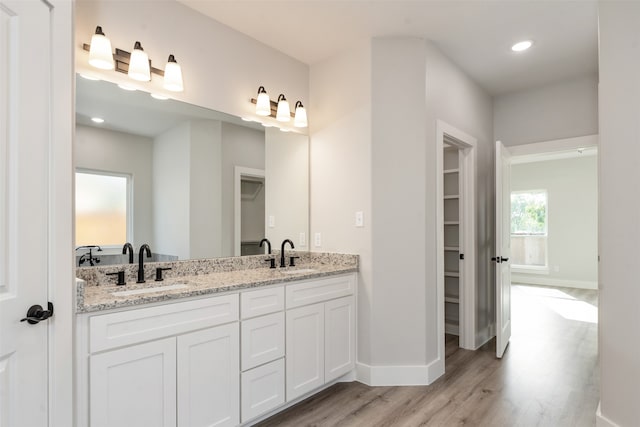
(548, 377)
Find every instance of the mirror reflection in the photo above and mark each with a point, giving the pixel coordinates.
(190, 182)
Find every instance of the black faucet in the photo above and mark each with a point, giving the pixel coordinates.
(282, 264)
(92, 260)
(265, 240)
(144, 248)
(127, 247)
(271, 260)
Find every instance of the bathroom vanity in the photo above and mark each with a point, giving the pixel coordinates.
(221, 346)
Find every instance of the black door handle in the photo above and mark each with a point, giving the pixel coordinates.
(36, 314)
(505, 259)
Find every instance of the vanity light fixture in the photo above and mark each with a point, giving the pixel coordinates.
(522, 46)
(100, 54)
(300, 120)
(284, 113)
(139, 68)
(173, 75)
(263, 103)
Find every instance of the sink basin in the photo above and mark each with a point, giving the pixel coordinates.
(149, 290)
(300, 271)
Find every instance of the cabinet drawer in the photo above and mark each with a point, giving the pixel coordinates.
(145, 324)
(262, 340)
(262, 389)
(314, 291)
(264, 301)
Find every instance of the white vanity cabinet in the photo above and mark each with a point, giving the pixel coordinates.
(169, 365)
(320, 333)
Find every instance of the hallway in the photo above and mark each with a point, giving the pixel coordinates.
(548, 377)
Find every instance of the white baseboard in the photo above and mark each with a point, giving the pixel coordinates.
(399, 375)
(548, 281)
(602, 421)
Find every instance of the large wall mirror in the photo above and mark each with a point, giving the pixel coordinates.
(188, 181)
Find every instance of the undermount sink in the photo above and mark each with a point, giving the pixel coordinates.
(149, 290)
(300, 271)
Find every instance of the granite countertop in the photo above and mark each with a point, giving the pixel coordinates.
(95, 295)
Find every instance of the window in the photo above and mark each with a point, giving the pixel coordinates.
(529, 229)
(102, 208)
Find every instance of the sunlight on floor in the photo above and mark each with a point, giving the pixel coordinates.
(563, 304)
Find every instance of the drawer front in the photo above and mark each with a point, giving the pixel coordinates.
(314, 291)
(264, 301)
(262, 389)
(129, 327)
(262, 340)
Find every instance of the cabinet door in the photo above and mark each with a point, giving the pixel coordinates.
(209, 377)
(262, 389)
(305, 350)
(262, 340)
(134, 386)
(340, 342)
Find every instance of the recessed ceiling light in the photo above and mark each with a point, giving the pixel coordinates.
(125, 87)
(159, 97)
(521, 46)
(97, 120)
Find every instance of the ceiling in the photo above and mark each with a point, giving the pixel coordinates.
(476, 35)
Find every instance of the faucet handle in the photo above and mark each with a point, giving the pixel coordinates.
(159, 271)
(120, 274)
(272, 260)
(292, 261)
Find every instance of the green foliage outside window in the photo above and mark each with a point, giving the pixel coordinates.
(529, 213)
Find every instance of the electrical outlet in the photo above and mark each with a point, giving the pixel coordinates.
(272, 221)
(359, 219)
(302, 240)
(317, 240)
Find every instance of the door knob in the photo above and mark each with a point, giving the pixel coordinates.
(36, 314)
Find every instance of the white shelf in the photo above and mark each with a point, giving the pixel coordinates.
(451, 274)
(452, 197)
(451, 328)
(452, 223)
(451, 171)
(452, 299)
(452, 248)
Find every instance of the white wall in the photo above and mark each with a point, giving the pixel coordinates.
(572, 191)
(111, 151)
(287, 193)
(619, 108)
(222, 68)
(562, 110)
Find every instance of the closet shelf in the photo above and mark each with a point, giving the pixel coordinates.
(452, 299)
(451, 171)
(452, 223)
(452, 248)
(452, 197)
(451, 274)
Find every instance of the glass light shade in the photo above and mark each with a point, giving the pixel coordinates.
(263, 103)
(173, 75)
(284, 113)
(100, 53)
(300, 121)
(139, 68)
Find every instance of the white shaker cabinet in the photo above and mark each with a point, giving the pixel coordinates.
(340, 337)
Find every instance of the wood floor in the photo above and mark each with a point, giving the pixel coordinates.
(548, 377)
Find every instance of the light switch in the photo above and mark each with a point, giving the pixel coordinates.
(302, 239)
(359, 219)
(317, 240)
(272, 221)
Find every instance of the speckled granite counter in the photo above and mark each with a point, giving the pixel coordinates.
(95, 290)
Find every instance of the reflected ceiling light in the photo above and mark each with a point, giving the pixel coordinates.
(284, 113)
(300, 120)
(84, 76)
(284, 130)
(125, 87)
(97, 120)
(173, 75)
(522, 46)
(263, 103)
(139, 68)
(159, 97)
(100, 53)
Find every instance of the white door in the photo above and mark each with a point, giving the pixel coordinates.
(503, 248)
(24, 152)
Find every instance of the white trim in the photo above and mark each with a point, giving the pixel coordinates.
(61, 217)
(529, 269)
(546, 150)
(602, 421)
(466, 145)
(550, 281)
(239, 172)
(399, 375)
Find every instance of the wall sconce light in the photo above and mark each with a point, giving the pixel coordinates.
(300, 120)
(283, 113)
(136, 64)
(263, 103)
(100, 55)
(139, 68)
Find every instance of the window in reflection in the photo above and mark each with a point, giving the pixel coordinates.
(101, 208)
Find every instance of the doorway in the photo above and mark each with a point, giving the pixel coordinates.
(249, 210)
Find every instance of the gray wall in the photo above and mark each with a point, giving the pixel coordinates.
(562, 110)
(572, 191)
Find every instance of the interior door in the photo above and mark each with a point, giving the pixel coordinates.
(24, 155)
(503, 248)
